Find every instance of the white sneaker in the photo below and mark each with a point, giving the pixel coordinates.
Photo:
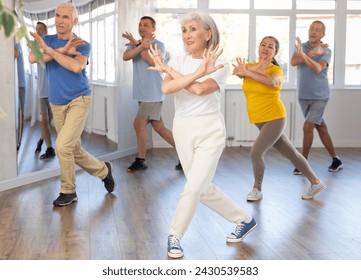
(254, 195)
(313, 190)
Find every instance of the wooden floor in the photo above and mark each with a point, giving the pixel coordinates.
(132, 223)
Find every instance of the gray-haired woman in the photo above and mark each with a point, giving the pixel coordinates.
(197, 80)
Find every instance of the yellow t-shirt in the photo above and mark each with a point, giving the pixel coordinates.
(264, 102)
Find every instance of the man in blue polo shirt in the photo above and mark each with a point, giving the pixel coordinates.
(66, 56)
(312, 59)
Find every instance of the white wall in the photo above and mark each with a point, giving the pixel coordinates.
(129, 14)
(8, 154)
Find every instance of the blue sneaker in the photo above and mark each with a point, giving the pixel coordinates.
(174, 248)
(242, 229)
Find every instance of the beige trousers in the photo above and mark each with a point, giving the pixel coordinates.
(69, 122)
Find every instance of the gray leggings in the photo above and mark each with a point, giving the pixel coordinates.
(271, 134)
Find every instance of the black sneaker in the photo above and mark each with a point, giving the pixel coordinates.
(38, 146)
(296, 172)
(49, 153)
(108, 180)
(336, 165)
(138, 164)
(65, 199)
(178, 166)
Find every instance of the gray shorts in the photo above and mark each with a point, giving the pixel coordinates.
(313, 110)
(150, 111)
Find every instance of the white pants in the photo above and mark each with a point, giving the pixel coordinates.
(199, 142)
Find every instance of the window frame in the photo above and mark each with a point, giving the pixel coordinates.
(338, 49)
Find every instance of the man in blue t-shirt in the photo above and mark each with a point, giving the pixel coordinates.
(312, 59)
(66, 56)
(147, 90)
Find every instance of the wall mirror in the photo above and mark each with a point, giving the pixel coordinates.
(100, 134)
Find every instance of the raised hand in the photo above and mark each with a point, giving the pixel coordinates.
(132, 40)
(157, 56)
(147, 40)
(70, 47)
(299, 45)
(210, 57)
(240, 68)
(320, 49)
(263, 64)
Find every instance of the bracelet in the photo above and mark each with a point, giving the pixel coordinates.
(137, 45)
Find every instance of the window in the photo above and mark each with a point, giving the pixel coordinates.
(353, 54)
(303, 23)
(233, 29)
(354, 5)
(273, 5)
(316, 4)
(243, 24)
(184, 4)
(278, 27)
(228, 4)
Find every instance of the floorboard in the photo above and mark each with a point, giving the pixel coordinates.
(132, 223)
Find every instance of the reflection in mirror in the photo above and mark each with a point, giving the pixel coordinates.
(100, 135)
(28, 160)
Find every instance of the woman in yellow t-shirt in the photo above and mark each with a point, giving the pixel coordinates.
(262, 84)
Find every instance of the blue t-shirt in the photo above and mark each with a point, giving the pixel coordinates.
(65, 85)
(147, 84)
(20, 66)
(309, 84)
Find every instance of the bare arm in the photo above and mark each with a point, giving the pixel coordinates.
(256, 73)
(74, 64)
(268, 80)
(300, 57)
(175, 81)
(132, 40)
(141, 50)
(315, 66)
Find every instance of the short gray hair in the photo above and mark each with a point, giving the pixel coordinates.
(71, 5)
(207, 23)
